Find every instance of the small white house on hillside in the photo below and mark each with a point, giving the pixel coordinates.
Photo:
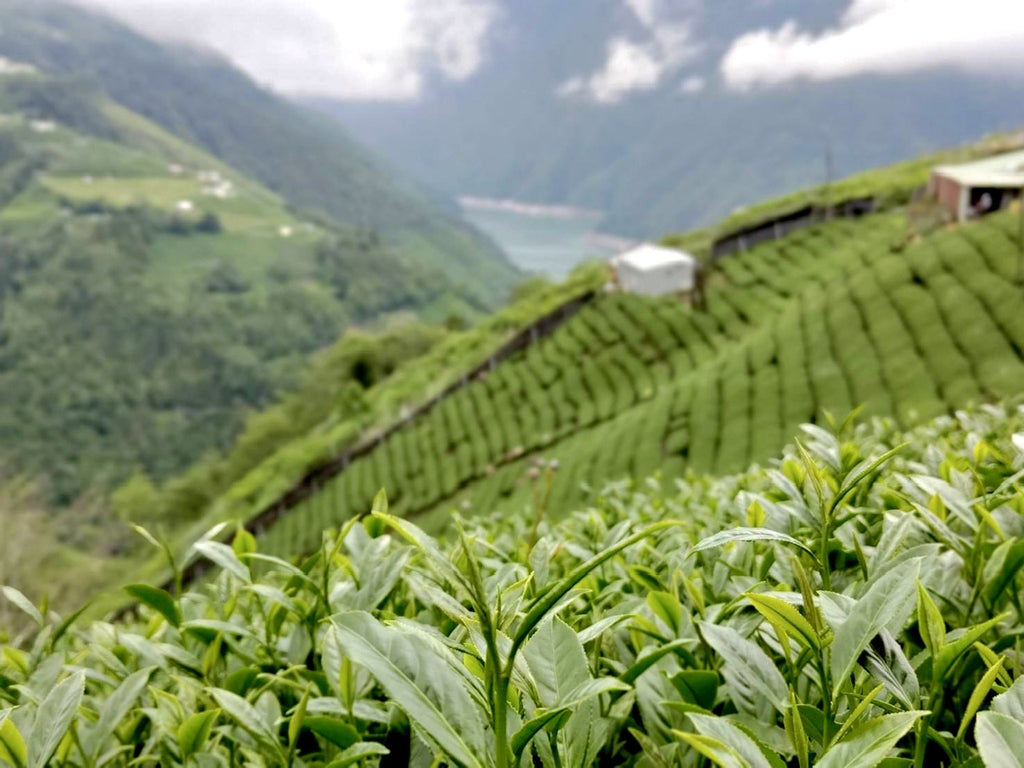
(653, 270)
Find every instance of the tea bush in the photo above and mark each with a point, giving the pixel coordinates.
(856, 603)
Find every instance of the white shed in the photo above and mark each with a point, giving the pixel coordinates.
(984, 186)
(653, 270)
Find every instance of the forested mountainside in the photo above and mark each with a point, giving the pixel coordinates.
(305, 158)
(151, 296)
(175, 241)
(660, 160)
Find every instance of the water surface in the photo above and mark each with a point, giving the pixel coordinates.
(548, 244)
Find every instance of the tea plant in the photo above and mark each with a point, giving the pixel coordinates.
(854, 604)
(820, 320)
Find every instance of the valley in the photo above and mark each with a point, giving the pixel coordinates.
(542, 242)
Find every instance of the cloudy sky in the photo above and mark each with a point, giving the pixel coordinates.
(351, 49)
(391, 49)
(884, 37)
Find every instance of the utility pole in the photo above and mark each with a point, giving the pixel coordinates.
(828, 178)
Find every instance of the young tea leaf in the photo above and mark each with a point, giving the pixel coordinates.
(717, 752)
(23, 603)
(889, 600)
(53, 719)
(193, 733)
(115, 709)
(930, 622)
(420, 681)
(868, 744)
(785, 618)
(248, 717)
(981, 690)
(755, 755)
(747, 534)
(157, 599)
(357, 753)
(12, 745)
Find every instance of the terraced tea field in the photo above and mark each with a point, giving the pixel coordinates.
(824, 320)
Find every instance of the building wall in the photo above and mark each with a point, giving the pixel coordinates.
(671, 278)
(949, 193)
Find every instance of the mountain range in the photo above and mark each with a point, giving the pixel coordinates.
(200, 98)
(682, 153)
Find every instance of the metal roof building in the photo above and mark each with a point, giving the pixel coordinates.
(653, 270)
(980, 187)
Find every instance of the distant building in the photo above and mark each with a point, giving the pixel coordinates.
(974, 189)
(653, 270)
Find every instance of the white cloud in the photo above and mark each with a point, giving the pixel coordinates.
(379, 49)
(632, 65)
(693, 85)
(629, 67)
(885, 37)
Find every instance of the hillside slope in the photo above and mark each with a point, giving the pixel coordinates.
(888, 312)
(825, 320)
(200, 98)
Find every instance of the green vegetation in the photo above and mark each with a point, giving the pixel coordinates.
(186, 352)
(350, 390)
(364, 379)
(143, 317)
(854, 605)
(842, 315)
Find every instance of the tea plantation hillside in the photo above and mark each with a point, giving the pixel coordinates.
(855, 605)
(826, 320)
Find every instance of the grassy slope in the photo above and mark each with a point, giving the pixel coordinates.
(414, 382)
(825, 320)
(852, 312)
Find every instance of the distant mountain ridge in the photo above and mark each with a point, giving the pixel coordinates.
(306, 158)
(663, 160)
